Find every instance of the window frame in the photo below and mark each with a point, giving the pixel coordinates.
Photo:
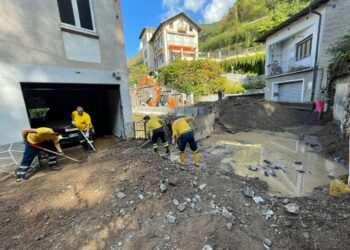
(77, 27)
(301, 48)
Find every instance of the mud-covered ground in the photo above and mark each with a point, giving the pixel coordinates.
(254, 113)
(114, 200)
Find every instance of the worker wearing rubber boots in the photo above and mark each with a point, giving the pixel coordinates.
(43, 137)
(183, 134)
(154, 126)
(82, 121)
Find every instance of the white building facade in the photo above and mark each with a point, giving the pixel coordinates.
(175, 38)
(296, 51)
(59, 54)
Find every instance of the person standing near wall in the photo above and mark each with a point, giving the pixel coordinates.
(82, 121)
(43, 137)
(156, 131)
(182, 135)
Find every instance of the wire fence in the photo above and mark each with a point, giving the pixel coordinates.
(10, 156)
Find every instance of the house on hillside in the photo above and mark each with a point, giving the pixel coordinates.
(176, 37)
(58, 54)
(296, 51)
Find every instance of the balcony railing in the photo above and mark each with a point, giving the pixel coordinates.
(281, 67)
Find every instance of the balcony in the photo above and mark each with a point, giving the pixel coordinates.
(284, 67)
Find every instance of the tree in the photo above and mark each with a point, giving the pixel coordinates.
(136, 73)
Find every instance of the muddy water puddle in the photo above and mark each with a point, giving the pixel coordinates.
(287, 164)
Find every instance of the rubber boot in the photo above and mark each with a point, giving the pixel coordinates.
(196, 159)
(155, 148)
(182, 158)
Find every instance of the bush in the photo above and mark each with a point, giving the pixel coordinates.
(255, 85)
(200, 77)
(234, 89)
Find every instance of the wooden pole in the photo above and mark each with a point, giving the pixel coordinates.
(55, 153)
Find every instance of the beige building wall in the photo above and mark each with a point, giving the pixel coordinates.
(36, 47)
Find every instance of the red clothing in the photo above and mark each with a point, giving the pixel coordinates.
(320, 104)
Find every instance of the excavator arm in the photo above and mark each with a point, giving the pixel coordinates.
(153, 84)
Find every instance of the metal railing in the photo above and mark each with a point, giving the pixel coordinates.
(280, 67)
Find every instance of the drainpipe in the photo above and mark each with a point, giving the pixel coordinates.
(316, 56)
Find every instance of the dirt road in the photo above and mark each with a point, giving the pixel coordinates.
(116, 200)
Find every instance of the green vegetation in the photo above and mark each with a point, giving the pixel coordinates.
(340, 65)
(246, 21)
(136, 73)
(136, 60)
(249, 63)
(200, 77)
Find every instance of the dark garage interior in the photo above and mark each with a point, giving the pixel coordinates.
(51, 105)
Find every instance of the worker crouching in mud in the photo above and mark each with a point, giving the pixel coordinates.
(82, 121)
(182, 135)
(154, 127)
(34, 139)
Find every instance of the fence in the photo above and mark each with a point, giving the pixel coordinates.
(10, 156)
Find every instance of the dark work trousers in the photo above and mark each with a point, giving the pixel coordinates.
(187, 138)
(30, 153)
(159, 134)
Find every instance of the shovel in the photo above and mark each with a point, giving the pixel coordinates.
(54, 153)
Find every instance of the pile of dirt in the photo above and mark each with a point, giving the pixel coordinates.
(251, 113)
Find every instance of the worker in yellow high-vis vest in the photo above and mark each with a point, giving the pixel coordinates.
(183, 134)
(82, 121)
(156, 131)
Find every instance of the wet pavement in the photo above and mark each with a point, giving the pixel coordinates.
(287, 164)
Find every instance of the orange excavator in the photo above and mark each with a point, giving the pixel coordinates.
(147, 80)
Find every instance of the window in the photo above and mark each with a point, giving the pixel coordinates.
(304, 49)
(171, 25)
(191, 28)
(76, 13)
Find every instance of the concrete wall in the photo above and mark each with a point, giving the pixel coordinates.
(336, 25)
(341, 100)
(35, 48)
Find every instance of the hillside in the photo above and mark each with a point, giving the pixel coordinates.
(246, 20)
(135, 60)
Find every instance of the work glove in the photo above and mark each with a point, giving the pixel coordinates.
(87, 134)
(73, 123)
(62, 154)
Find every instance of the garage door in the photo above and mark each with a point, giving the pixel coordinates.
(290, 92)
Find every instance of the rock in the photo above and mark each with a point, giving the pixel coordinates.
(253, 168)
(39, 237)
(167, 238)
(246, 204)
(285, 201)
(121, 195)
(287, 223)
(230, 209)
(267, 243)
(248, 192)
(192, 205)
(207, 247)
(60, 216)
(173, 182)
(198, 198)
(268, 162)
(181, 207)
(266, 174)
(163, 188)
(176, 202)
(226, 214)
(171, 219)
(306, 235)
(272, 172)
(7, 220)
(203, 186)
(141, 197)
(120, 244)
(212, 205)
(188, 200)
(268, 214)
(258, 200)
(194, 183)
(292, 208)
(16, 237)
(229, 226)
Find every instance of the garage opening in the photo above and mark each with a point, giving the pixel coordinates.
(51, 105)
(290, 92)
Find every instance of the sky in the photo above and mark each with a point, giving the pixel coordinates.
(138, 14)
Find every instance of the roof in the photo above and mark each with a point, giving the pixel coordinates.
(146, 29)
(174, 17)
(316, 4)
